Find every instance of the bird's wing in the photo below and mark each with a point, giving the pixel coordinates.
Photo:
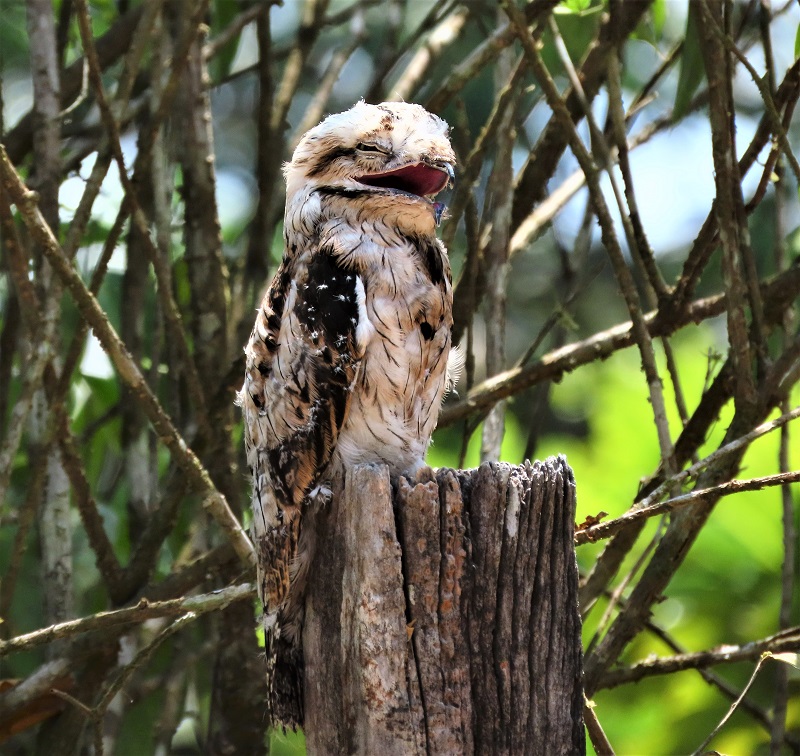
(302, 359)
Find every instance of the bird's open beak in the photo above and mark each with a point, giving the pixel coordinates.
(448, 169)
(422, 179)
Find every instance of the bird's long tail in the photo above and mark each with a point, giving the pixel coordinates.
(284, 675)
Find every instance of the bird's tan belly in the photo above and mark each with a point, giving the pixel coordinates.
(398, 392)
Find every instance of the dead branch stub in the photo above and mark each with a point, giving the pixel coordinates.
(443, 615)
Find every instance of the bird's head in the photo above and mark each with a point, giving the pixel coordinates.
(397, 149)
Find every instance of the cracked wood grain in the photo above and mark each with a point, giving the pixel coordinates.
(443, 615)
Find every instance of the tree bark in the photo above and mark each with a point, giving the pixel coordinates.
(443, 617)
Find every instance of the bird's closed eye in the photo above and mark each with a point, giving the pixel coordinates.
(371, 148)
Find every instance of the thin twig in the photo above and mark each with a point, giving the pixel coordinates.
(787, 640)
(607, 529)
(615, 596)
(535, 11)
(784, 288)
(170, 307)
(128, 370)
(698, 257)
(758, 713)
(622, 273)
(438, 40)
(788, 578)
(111, 690)
(144, 610)
(495, 222)
(106, 560)
(532, 182)
(770, 109)
(601, 744)
(318, 103)
(130, 67)
(701, 749)
(621, 270)
(214, 46)
(729, 203)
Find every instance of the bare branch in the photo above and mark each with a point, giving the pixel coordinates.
(144, 610)
(446, 32)
(601, 744)
(729, 203)
(787, 640)
(170, 307)
(128, 370)
(784, 287)
(110, 47)
(607, 529)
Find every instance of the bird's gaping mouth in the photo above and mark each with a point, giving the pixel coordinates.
(420, 179)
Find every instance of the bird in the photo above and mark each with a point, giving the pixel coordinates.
(350, 355)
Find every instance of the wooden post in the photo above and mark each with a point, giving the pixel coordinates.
(443, 617)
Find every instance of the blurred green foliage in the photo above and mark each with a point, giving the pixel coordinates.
(727, 590)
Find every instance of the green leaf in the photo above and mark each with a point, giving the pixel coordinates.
(575, 7)
(692, 72)
(287, 743)
(651, 27)
(658, 12)
(797, 43)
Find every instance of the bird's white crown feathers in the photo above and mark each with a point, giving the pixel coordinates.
(392, 147)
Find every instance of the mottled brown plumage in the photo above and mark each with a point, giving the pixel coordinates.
(347, 361)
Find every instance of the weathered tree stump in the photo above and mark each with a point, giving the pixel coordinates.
(443, 615)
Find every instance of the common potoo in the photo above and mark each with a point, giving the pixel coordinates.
(347, 361)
